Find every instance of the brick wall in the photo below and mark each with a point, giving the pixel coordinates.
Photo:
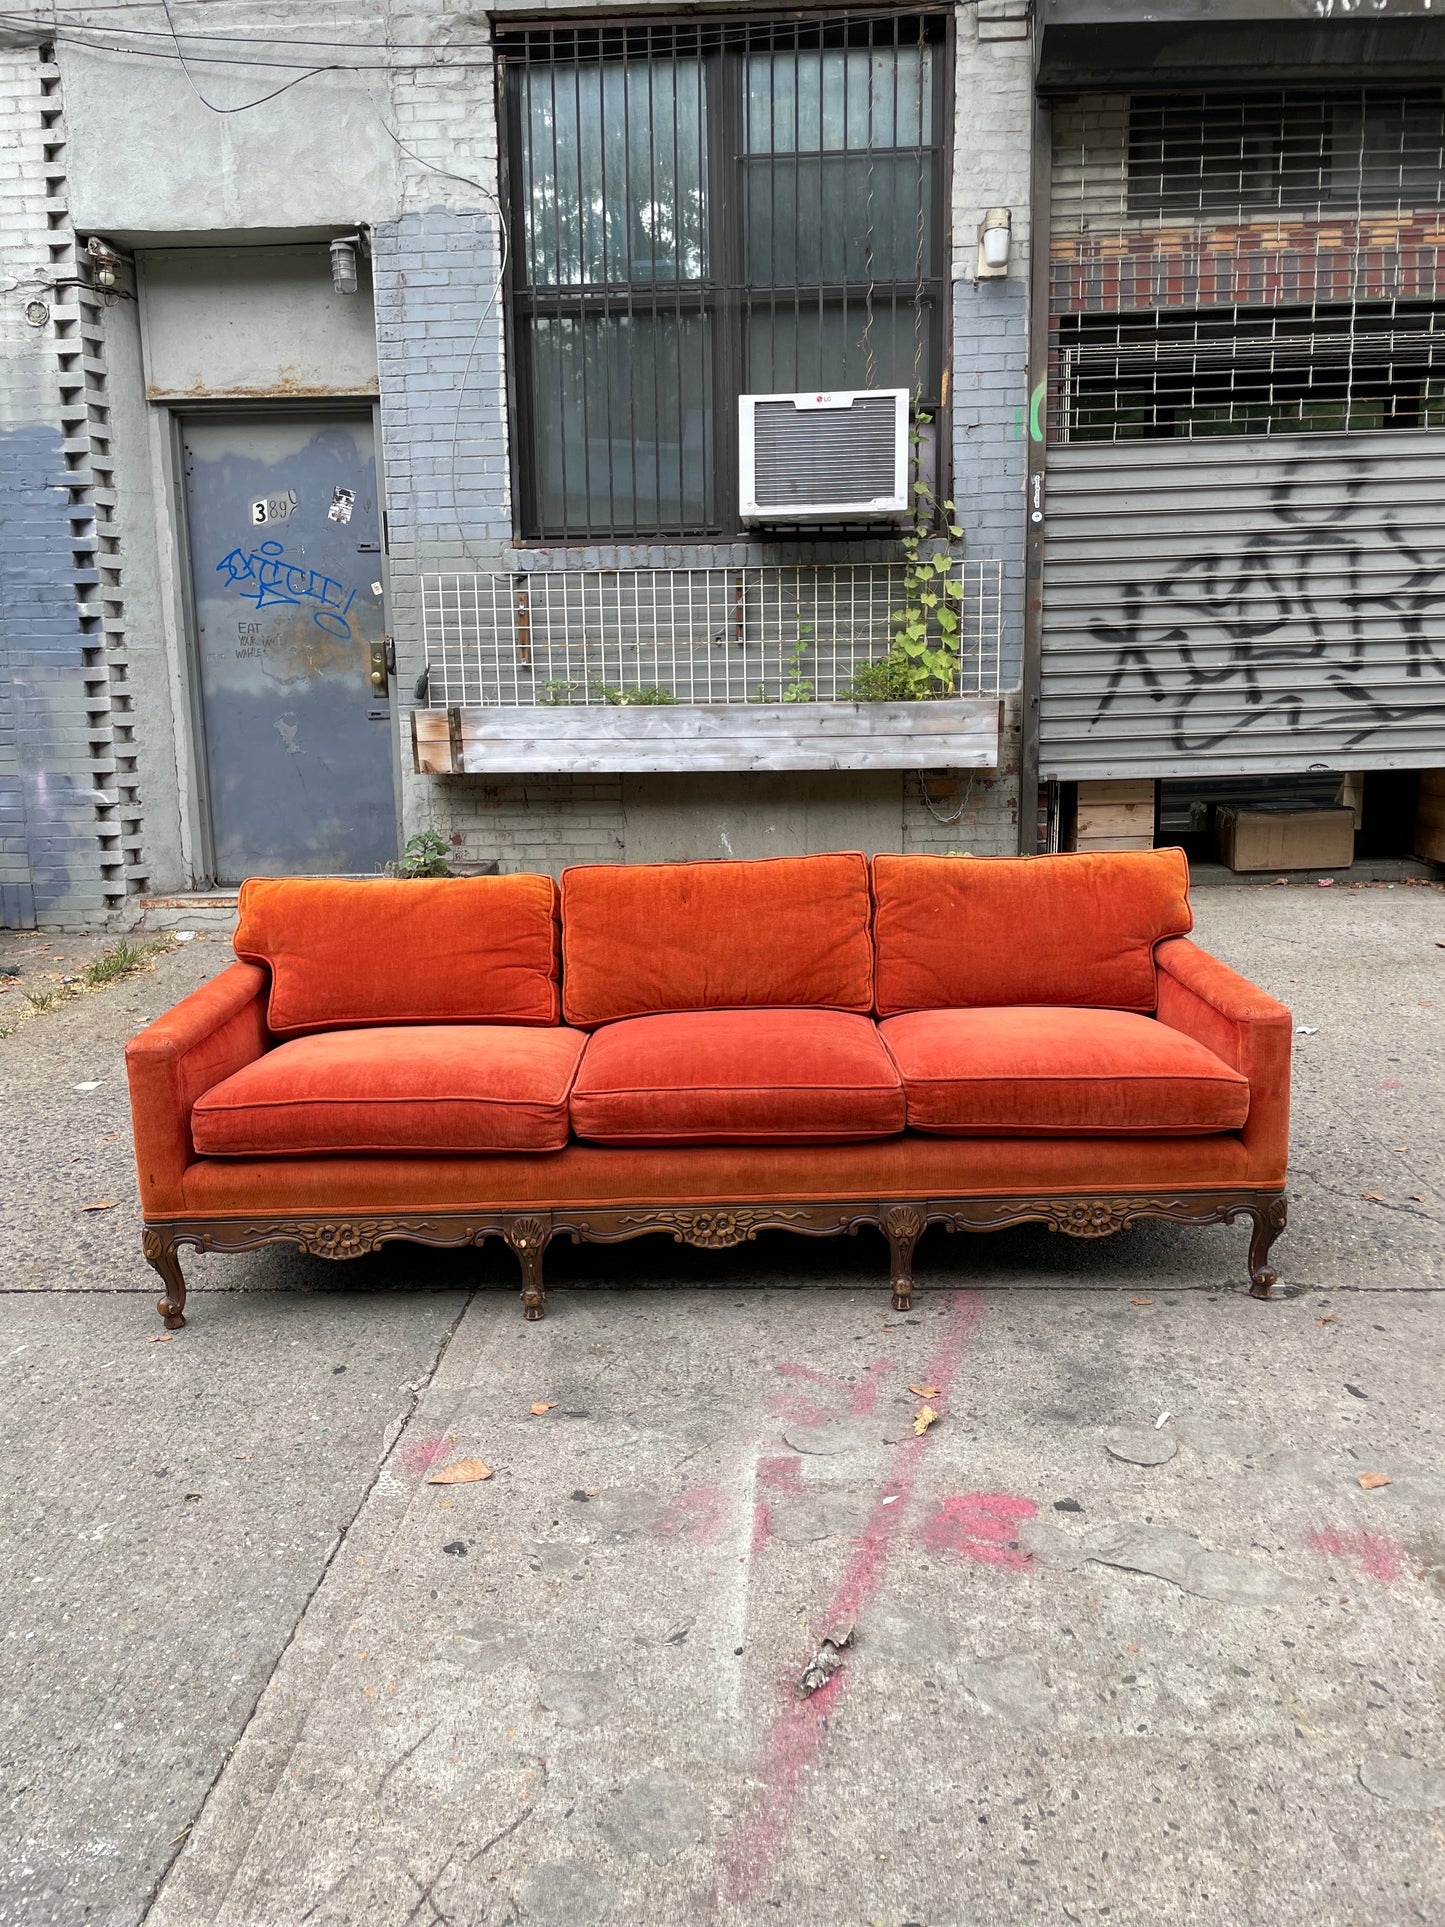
(441, 347)
(51, 799)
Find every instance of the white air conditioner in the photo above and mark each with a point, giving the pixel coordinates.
(809, 459)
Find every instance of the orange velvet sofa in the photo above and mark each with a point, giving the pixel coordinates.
(811, 1044)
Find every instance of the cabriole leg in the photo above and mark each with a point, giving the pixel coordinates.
(160, 1255)
(528, 1238)
(1269, 1221)
(903, 1227)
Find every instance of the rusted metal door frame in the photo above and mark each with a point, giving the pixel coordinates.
(195, 800)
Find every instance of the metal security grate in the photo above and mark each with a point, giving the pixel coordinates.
(1248, 265)
(724, 635)
(706, 208)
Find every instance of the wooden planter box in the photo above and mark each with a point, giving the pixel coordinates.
(960, 733)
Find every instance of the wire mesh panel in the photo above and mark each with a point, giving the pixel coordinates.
(723, 635)
(1264, 264)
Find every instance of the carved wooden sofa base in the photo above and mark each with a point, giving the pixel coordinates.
(712, 1227)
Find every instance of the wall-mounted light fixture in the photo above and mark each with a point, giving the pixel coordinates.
(104, 260)
(995, 235)
(346, 253)
(344, 250)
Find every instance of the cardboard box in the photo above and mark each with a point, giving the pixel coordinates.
(1263, 836)
(1116, 814)
(1430, 816)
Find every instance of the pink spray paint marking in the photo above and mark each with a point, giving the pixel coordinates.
(782, 1475)
(421, 1456)
(799, 1411)
(982, 1526)
(861, 1399)
(795, 1738)
(1376, 1553)
(697, 1514)
(762, 1527)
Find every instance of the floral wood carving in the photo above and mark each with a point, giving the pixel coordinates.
(717, 1230)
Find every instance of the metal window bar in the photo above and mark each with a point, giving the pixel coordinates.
(1269, 264)
(702, 209)
(770, 633)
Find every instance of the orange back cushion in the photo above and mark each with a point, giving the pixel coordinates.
(951, 932)
(434, 950)
(641, 939)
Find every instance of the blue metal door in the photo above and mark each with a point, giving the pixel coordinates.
(286, 565)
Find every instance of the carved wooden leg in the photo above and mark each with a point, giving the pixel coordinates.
(1269, 1221)
(160, 1255)
(528, 1238)
(903, 1227)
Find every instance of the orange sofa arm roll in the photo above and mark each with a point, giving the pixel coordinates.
(1247, 1028)
(207, 1037)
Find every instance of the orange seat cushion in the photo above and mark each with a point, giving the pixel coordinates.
(642, 938)
(953, 932)
(437, 1088)
(737, 1077)
(1042, 1072)
(434, 950)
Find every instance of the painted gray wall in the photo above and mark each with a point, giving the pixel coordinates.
(252, 321)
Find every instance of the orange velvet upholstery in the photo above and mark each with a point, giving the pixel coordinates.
(1040, 1071)
(1240, 1023)
(951, 932)
(436, 950)
(737, 1077)
(640, 939)
(203, 1040)
(907, 1166)
(433, 1088)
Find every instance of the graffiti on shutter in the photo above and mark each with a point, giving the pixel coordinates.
(1244, 605)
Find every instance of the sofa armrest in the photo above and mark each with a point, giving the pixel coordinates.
(206, 1038)
(1247, 1028)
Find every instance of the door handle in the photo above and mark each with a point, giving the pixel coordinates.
(380, 666)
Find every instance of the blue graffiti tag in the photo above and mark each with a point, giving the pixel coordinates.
(265, 578)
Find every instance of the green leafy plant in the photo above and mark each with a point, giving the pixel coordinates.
(555, 693)
(426, 854)
(650, 696)
(922, 660)
(796, 689)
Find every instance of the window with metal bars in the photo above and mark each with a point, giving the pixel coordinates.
(703, 210)
(1248, 265)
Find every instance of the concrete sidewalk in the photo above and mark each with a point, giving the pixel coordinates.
(260, 1673)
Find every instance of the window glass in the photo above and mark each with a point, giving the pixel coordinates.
(614, 166)
(822, 100)
(620, 421)
(834, 346)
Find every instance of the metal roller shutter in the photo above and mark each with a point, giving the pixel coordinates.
(1231, 605)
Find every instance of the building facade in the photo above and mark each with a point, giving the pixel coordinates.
(263, 519)
(371, 459)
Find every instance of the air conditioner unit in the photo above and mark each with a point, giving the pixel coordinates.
(809, 459)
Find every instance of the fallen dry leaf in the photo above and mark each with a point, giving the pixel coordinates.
(925, 1391)
(543, 1405)
(1372, 1481)
(101, 1204)
(464, 1472)
(1328, 1319)
(161, 1338)
(923, 1418)
(1141, 1301)
(1372, 1197)
(1417, 1197)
